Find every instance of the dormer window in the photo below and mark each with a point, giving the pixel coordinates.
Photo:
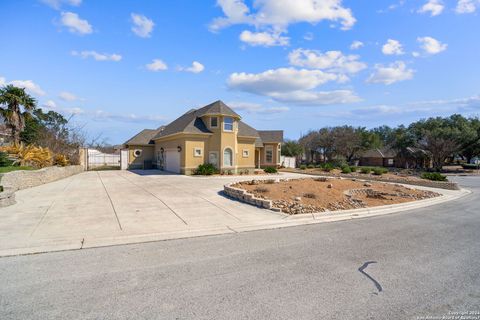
(213, 122)
(228, 124)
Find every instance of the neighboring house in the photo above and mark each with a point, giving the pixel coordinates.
(378, 157)
(410, 158)
(213, 134)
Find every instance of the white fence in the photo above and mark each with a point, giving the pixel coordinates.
(97, 159)
(288, 162)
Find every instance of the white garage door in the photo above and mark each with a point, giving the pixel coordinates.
(172, 161)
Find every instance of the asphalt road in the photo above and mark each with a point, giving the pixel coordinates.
(402, 266)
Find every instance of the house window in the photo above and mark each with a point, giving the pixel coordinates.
(137, 153)
(228, 158)
(228, 124)
(245, 153)
(197, 152)
(213, 122)
(390, 162)
(269, 154)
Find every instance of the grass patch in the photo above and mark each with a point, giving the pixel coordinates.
(15, 168)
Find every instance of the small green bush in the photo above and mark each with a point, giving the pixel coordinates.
(338, 163)
(4, 161)
(365, 170)
(354, 169)
(311, 166)
(270, 170)
(434, 176)
(327, 167)
(378, 171)
(303, 167)
(346, 169)
(319, 166)
(206, 169)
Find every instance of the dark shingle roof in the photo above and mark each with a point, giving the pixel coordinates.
(244, 130)
(187, 123)
(144, 137)
(269, 136)
(216, 108)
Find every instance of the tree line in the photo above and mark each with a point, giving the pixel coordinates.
(442, 138)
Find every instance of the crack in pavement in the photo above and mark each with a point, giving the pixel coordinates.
(375, 282)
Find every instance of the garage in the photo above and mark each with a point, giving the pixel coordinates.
(172, 161)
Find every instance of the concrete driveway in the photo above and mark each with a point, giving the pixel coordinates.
(117, 207)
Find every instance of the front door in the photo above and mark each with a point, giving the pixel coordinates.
(213, 158)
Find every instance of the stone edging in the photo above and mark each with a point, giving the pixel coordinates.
(422, 183)
(244, 196)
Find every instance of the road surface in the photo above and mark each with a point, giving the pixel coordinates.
(422, 263)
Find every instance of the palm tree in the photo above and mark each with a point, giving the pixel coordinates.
(11, 100)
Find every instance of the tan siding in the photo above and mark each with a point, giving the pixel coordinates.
(138, 162)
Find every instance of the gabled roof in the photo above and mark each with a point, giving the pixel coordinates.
(271, 136)
(216, 108)
(187, 123)
(144, 137)
(379, 153)
(244, 130)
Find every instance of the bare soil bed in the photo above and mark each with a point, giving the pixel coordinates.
(330, 194)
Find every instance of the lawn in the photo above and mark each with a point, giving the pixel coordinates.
(14, 168)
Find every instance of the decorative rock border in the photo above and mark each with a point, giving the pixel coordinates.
(7, 198)
(22, 179)
(244, 196)
(447, 185)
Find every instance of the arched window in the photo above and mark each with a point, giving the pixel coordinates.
(228, 157)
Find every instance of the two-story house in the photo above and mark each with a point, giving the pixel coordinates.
(213, 134)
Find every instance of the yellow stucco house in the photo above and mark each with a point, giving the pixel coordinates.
(213, 134)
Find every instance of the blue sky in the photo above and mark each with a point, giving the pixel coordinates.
(121, 66)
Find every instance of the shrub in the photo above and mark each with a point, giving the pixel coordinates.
(353, 169)
(327, 167)
(346, 169)
(365, 170)
(30, 155)
(318, 166)
(311, 166)
(60, 160)
(378, 171)
(206, 169)
(270, 170)
(4, 160)
(338, 163)
(434, 176)
(303, 167)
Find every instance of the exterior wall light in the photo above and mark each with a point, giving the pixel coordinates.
(179, 149)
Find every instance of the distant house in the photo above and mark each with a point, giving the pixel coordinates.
(410, 158)
(212, 134)
(378, 157)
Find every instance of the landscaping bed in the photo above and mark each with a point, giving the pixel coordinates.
(310, 195)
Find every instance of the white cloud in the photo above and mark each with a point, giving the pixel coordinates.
(67, 96)
(312, 98)
(265, 39)
(196, 67)
(392, 73)
(292, 86)
(333, 61)
(434, 7)
(392, 47)
(142, 26)
(29, 86)
(3, 81)
(356, 45)
(98, 56)
(56, 4)
(51, 105)
(276, 15)
(156, 65)
(74, 24)
(431, 46)
(467, 6)
(256, 108)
